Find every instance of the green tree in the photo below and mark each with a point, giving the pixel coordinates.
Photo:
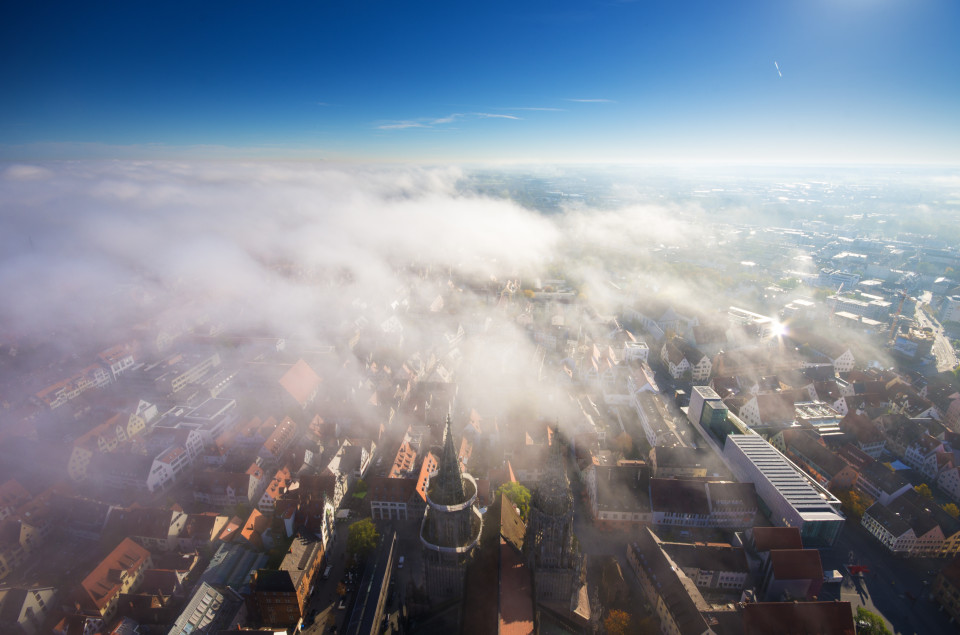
(360, 487)
(853, 502)
(869, 623)
(362, 538)
(952, 509)
(924, 490)
(618, 622)
(518, 495)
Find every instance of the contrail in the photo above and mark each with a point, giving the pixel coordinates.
(778, 69)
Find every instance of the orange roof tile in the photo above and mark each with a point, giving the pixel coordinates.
(103, 583)
(301, 382)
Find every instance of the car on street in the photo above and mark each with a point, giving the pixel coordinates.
(400, 563)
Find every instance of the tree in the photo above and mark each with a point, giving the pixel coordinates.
(518, 495)
(924, 490)
(360, 487)
(362, 538)
(853, 503)
(618, 622)
(869, 623)
(952, 509)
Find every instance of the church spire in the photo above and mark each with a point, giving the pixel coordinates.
(552, 493)
(447, 485)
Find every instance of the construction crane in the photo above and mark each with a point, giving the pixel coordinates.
(896, 317)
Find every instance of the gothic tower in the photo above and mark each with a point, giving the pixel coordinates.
(551, 545)
(450, 530)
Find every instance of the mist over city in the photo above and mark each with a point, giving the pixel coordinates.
(553, 318)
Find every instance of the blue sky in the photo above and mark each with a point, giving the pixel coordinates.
(579, 81)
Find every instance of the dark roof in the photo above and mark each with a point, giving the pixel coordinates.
(725, 494)
(676, 595)
(778, 407)
(140, 522)
(883, 478)
(619, 490)
(796, 564)
(678, 457)
(679, 496)
(798, 618)
(273, 581)
(804, 444)
(861, 426)
(767, 538)
(853, 456)
(710, 557)
(480, 603)
(887, 519)
(695, 496)
(12, 605)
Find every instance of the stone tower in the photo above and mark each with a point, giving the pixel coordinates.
(550, 542)
(450, 530)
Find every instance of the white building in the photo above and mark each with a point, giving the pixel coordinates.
(793, 499)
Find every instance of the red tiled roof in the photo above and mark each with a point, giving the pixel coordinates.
(254, 527)
(301, 382)
(231, 529)
(118, 352)
(430, 464)
(280, 435)
(103, 583)
(280, 480)
(404, 462)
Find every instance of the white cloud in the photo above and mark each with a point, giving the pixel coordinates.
(487, 115)
(26, 173)
(400, 125)
(223, 230)
(437, 122)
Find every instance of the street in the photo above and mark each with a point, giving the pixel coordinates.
(888, 587)
(942, 348)
(324, 598)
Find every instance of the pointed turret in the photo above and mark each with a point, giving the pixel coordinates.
(447, 486)
(552, 494)
(452, 523)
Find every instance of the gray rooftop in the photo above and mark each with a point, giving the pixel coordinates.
(782, 474)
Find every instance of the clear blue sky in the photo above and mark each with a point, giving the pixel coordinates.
(555, 80)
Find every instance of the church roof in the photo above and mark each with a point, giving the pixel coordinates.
(446, 487)
(512, 529)
(552, 494)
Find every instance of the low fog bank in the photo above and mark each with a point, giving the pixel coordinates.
(260, 246)
(91, 251)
